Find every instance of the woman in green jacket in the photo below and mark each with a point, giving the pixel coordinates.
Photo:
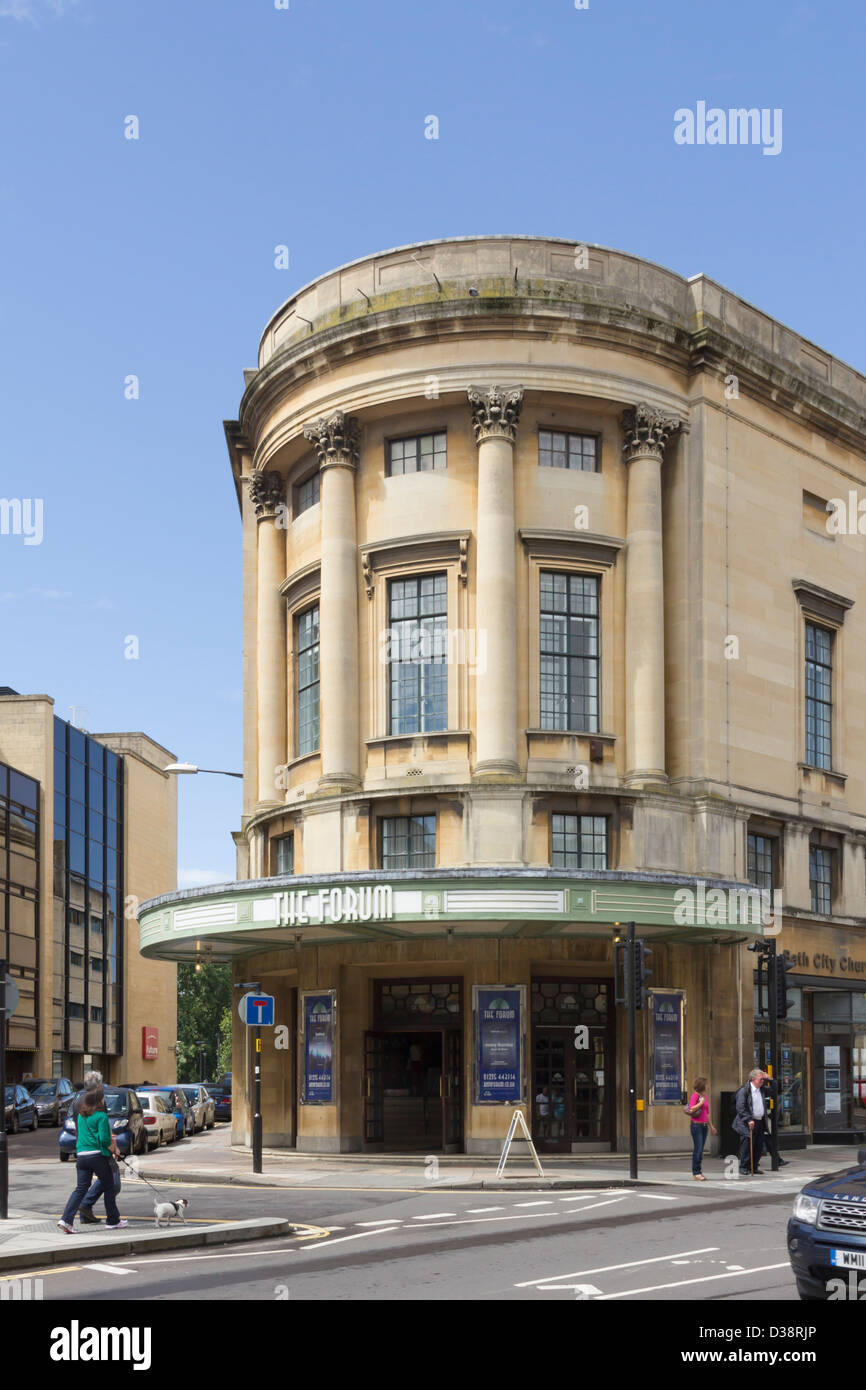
(95, 1143)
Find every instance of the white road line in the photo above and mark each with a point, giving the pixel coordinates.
(392, 1221)
(434, 1216)
(654, 1197)
(111, 1269)
(705, 1279)
(608, 1203)
(547, 1202)
(472, 1210)
(629, 1264)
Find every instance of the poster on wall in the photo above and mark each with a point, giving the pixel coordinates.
(498, 1056)
(666, 1045)
(319, 1013)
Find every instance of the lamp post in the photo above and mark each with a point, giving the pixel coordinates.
(185, 769)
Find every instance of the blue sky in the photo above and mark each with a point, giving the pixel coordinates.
(305, 127)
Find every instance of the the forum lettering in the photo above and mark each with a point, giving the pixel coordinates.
(299, 907)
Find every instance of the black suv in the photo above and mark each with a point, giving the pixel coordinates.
(827, 1232)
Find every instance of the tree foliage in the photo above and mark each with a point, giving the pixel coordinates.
(203, 998)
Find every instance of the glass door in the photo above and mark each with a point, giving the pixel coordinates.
(552, 1083)
(452, 1092)
(374, 1069)
(592, 1089)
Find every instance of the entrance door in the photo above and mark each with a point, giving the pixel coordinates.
(374, 1066)
(572, 1090)
(452, 1093)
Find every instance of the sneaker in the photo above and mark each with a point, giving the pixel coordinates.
(65, 1226)
(115, 1225)
(85, 1215)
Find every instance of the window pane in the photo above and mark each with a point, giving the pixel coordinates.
(569, 652)
(418, 453)
(418, 631)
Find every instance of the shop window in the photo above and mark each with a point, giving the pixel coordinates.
(565, 450)
(569, 651)
(418, 652)
(578, 842)
(408, 842)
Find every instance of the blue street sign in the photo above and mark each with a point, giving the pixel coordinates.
(257, 1010)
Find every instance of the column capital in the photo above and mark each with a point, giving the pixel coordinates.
(647, 431)
(495, 411)
(337, 439)
(266, 493)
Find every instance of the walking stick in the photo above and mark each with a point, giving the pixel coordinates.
(751, 1149)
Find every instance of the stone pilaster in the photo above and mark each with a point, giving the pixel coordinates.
(495, 413)
(647, 431)
(266, 496)
(337, 441)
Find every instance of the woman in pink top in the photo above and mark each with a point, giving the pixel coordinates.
(699, 1114)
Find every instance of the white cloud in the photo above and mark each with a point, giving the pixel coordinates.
(199, 878)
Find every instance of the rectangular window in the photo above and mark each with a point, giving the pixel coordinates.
(74, 1010)
(418, 624)
(819, 696)
(560, 450)
(761, 850)
(821, 878)
(579, 842)
(307, 667)
(569, 652)
(285, 857)
(422, 453)
(95, 1014)
(307, 493)
(408, 842)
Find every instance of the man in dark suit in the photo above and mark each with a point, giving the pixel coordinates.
(750, 1123)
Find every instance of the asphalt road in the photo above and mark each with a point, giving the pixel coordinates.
(686, 1244)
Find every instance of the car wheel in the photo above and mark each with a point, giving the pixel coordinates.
(807, 1293)
(35, 1124)
(16, 1123)
(160, 1139)
(211, 1124)
(140, 1143)
(64, 1158)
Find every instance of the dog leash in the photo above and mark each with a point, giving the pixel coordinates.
(138, 1174)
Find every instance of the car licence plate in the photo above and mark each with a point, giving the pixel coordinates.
(848, 1259)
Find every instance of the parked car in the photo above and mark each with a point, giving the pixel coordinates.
(202, 1105)
(159, 1120)
(827, 1232)
(176, 1101)
(125, 1118)
(222, 1098)
(20, 1111)
(53, 1098)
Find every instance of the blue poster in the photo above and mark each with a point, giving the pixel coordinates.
(319, 1049)
(667, 1022)
(499, 1062)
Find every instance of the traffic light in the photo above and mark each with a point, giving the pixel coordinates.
(783, 1002)
(641, 974)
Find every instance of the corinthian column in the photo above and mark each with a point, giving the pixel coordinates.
(266, 496)
(337, 439)
(495, 413)
(647, 432)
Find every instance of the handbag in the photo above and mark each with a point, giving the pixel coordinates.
(115, 1172)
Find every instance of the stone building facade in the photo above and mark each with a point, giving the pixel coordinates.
(548, 625)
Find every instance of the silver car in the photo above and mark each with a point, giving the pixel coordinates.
(202, 1105)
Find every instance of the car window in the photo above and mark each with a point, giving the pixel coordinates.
(116, 1103)
(47, 1088)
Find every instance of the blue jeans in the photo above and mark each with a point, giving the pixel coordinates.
(699, 1139)
(90, 1166)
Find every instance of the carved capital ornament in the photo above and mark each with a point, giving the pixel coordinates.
(266, 493)
(337, 439)
(647, 431)
(495, 411)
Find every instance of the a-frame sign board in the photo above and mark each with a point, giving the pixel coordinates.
(518, 1118)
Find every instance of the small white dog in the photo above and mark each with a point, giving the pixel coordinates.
(164, 1211)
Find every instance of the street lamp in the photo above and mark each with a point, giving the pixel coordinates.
(202, 1048)
(182, 769)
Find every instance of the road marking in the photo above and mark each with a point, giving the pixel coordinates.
(548, 1202)
(392, 1221)
(608, 1203)
(584, 1291)
(111, 1269)
(704, 1279)
(473, 1210)
(654, 1197)
(434, 1216)
(38, 1273)
(629, 1264)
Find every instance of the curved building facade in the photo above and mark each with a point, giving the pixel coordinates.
(546, 628)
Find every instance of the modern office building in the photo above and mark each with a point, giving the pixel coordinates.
(89, 829)
(551, 621)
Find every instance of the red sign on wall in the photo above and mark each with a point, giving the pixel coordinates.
(149, 1043)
